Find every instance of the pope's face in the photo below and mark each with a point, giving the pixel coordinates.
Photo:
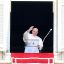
(35, 31)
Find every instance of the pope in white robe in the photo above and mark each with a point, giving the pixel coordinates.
(33, 42)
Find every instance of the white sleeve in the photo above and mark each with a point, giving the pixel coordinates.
(40, 44)
(25, 36)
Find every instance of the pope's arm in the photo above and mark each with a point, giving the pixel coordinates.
(40, 44)
(26, 34)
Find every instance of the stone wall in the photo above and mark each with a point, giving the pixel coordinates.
(1, 27)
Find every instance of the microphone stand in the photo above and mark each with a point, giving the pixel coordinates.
(47, 34)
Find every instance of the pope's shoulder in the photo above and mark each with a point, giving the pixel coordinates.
(39, 37)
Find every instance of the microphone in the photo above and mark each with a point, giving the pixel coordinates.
(50, 29)
(47, 34)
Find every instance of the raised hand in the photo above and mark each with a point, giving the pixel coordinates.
(30, 28)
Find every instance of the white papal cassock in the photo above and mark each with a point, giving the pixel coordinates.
(33, 43)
